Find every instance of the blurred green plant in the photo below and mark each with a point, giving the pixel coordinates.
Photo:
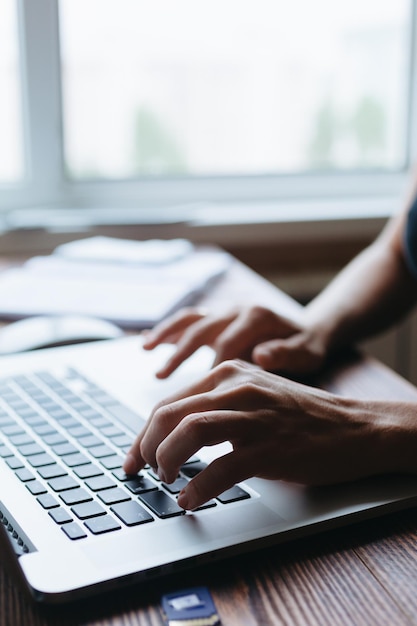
(156, 151)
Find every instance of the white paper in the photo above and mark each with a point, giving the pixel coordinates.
(131, 295)
(113, 250)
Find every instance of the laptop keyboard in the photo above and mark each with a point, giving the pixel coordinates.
(61, 435)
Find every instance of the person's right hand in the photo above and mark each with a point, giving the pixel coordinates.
(254, 334)
(277, 428)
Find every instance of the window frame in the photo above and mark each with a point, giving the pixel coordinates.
(45, 183)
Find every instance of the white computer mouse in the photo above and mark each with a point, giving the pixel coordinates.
(49, 331)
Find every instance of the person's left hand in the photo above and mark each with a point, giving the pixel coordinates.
(278, 429)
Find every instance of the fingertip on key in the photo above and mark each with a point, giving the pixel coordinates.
(130, 464)
(183, 500)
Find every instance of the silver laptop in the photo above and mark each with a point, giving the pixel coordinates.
(73, 521)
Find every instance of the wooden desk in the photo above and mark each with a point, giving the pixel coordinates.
(362, 574)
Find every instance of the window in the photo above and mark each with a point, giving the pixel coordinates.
(233, 88)
(11, 154)
(166, 102)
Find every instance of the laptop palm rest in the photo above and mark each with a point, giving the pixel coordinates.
(187, 536)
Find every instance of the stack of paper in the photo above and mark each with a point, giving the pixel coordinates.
(134, 284)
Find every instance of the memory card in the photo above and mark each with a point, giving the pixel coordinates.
(190, 607)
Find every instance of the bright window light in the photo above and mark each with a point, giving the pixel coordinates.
(233, 87)
(11, 153)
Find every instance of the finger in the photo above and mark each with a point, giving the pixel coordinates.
(216, 478)
(236, 340)
(176, 431)
(134, 460)
(196, 430)
(172, 327)
(192, 399)
(286, 354)
(252, 326)
(202, 332)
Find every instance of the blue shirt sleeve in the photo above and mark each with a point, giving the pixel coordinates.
(410, 239)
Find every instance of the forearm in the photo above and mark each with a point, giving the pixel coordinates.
(392, 444)
(373, 292)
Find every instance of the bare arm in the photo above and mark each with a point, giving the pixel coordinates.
(374, 291)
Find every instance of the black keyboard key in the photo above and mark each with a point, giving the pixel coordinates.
(74, 460)
(87, 510)
(97, 420)
(112, 462)
(40, 460)
(78, 404)
(233, 495)
(21, 439)
(30, 415)
(48, 501)
(192, 469)
(207, 505)
(131, 513)
(90, 441)
(34, 419)
(60, 515)
(17, 403)
(111, 431)
(99, 483)
(79, 431)
(122, 440)
(14, 463)
(98, 452)
(124, 414)
(44, 429)
(63, 483)
(68, 422)
(5, 452)
(61, 449)
(24, 475)
(75, 496)
(103, 524)
(54, 438)
(177, 485)
(12, 429)
(60, 414)
(47, 404)
(52, 471)
(112, 496)
(30, 449)
(162, 505)
(119, 473)
(35, 487)
(192, 459)
(140, 484)
(74, 531)
(154, 475)
(5, 420)
(88, 471)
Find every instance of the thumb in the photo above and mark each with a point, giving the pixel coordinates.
(276, 354)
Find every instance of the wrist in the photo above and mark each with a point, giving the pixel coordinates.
(317, 339)
(399, 438)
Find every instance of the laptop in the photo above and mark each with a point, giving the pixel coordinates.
(76, 525)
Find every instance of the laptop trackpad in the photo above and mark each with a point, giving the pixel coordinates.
(175, 539)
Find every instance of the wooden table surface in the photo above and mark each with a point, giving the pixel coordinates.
(362, 574)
